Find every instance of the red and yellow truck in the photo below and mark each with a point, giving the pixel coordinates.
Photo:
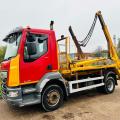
(35, 71)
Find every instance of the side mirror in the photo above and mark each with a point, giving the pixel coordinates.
(31, 45)
(42, 39)
(31, 48)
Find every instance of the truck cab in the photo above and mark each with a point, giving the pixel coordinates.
(30, 54)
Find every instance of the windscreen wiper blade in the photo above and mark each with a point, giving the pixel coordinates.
(8, 58)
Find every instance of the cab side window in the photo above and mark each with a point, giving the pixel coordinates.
(36, 46)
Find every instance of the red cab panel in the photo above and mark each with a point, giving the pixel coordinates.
(35, 70)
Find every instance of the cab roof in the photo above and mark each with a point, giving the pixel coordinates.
(20, 29)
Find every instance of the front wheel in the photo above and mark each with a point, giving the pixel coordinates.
(52, 98)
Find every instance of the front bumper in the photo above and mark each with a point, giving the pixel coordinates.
(23, 99)
(21, 96)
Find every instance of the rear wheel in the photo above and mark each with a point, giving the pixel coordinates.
(52, 98)
(109, 86)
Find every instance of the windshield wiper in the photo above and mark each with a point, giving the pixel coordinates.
(8, 58)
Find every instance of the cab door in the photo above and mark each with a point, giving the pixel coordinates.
(34, 67)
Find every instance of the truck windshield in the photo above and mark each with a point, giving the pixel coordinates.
(13, 41)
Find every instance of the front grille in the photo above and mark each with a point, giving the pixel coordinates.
(4, 88)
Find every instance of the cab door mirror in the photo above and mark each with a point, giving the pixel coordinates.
(31, 48)
(31, 45)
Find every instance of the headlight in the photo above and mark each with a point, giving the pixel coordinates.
(13, 94)
(3, 75)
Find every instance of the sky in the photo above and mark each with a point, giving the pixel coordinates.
(77, 13)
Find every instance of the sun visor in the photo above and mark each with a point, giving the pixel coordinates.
(16, 30)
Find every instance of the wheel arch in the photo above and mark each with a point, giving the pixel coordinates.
(59, 83)
(50, 79)
(112, 73)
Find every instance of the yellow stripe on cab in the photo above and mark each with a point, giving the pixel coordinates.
(14, 72)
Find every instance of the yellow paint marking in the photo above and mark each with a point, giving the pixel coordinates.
(14, 72)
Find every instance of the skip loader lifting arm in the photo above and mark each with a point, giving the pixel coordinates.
(79, 50)
(88, 64)
(112, 50)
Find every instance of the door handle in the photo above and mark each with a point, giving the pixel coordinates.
(49, 67)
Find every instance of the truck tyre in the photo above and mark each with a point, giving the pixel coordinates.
(52, 98)
(109, 86)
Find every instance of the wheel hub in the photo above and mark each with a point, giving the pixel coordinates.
(110, 85)
(53, 98)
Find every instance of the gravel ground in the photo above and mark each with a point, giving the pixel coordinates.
(89, 105)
